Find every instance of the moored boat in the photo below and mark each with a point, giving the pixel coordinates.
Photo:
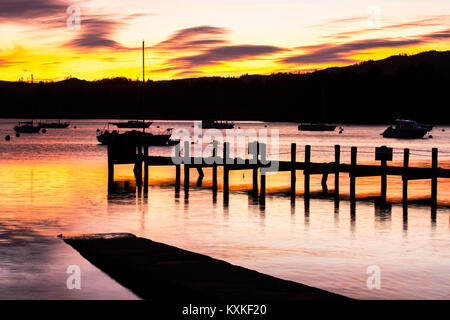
(316, 127)
(54, 125)
(134, 136)
(405, 129)
(27, 127)
(132, 124)
(214, 124)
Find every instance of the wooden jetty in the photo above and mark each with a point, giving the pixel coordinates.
(124, 153)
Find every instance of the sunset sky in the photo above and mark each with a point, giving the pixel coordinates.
(209, 37)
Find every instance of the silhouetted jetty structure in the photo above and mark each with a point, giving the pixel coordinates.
(160, 272)
(125, 153)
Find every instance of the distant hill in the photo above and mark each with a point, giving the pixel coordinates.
(413, 87)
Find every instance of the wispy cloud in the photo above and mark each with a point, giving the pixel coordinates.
(439, 20)
(8, 63)
(341, 53)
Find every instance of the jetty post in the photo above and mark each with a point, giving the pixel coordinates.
(434, 166)
(383, 177)
(186, 169)
(306, 176)
(353, 160)
(226, 178)
(214, 170)
(405, 177)
(138, 167)
(145, 169)
(110, 164)
(293, 171)
(262, 150)
(255, 145)
(177, 169)
(306, 171)
(337, 161)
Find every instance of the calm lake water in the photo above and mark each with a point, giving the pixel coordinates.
(56, 183)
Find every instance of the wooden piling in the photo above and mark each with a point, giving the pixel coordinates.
(262, 193)
(186, 169)
(145, 169)
(405, 177)
(434, 165)
(337, 161)
(138, 167)
(383, 195)
(255, 171)
(226, 181)
(214, 170)
(293, 171)
(306, 171)
(353, 160)
(177, 168)
(110, 164)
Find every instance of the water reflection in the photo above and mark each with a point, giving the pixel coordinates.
(45, 191)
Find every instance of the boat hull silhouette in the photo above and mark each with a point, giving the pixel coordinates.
(27, 128)
(136, 137)
(316, 127)
(209, 124)
(406, 129)
(405, 133)
(54, 125)
(132, 124)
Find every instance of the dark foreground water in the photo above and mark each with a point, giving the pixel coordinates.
(57, 183)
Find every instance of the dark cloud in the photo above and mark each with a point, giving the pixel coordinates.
(338, 53)
(439, 35)
(96, 32)
(30, 9)
(211, 49)
(225, 53)
(194, 38)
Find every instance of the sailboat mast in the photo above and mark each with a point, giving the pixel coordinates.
(142, 87)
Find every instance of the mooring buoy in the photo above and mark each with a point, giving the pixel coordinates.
(7, 138)
(17, 135)
(44, 130)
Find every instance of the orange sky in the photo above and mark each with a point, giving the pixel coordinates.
(206, 38)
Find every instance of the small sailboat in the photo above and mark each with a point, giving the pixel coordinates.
(405, 129)
(54, 125)
(316, 127)
(132, 124)
(135, 136)
(27, 127)
(214, 124)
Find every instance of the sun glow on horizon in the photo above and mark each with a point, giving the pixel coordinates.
(212, 40)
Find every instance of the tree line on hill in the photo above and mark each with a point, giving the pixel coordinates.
(413, 87)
